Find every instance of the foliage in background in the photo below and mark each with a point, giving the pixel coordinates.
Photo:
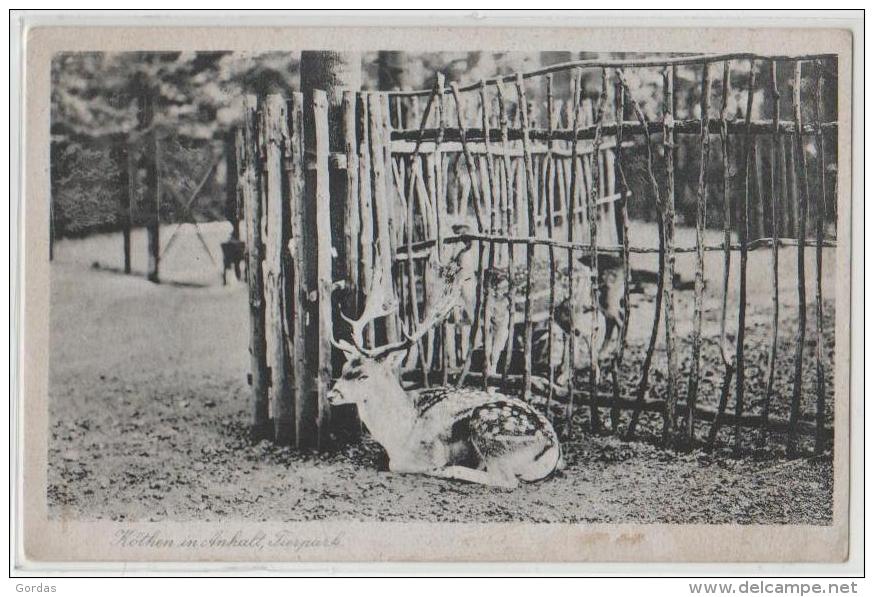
(198, 99)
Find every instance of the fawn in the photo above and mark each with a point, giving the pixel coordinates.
(456, 433)
(574, 313)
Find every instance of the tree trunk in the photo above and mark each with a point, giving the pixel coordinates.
(147, 93)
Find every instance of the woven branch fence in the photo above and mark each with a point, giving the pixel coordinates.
(536, 181)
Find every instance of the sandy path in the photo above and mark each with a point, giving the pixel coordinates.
(148, 408)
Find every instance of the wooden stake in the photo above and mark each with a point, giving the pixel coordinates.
(775, 260)
(297, 290)
(670, 331)
(801, 173)
(492, 199)
(352, 215)
(643, 384)
(273, 135)
(531, 188)
(380, 200)
(365, 201)
(318, 240)
(251, 198)
(619, 98)
(569, 224)
(700, 223)
(820, 204)
(510, 215)
(472, 176)
(727, 358)
(743, 230)
(592, 215)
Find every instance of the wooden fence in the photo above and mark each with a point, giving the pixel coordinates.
(521, 170)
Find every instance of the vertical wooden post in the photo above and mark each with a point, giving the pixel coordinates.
(315, 413)
(477, 198)
(569, 225)
(250, 196)
(743, 231)
(643, 384)
(365, 201)
(352, 211)
(296, 289)
(700, 222)
(273, 136)
(801, 177)
(593, 214)
(792, 169)
(788, 225)
(620, 221)
(380, 198)
(510, 214)
(775, 256)
(726, 252)
(668, 224)
(531, 187)
(549, 167)
(760, 191)
(820, 203)
(440, 208)
(490, 198)
(345, 419)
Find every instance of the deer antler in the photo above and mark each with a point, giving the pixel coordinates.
(380, 305)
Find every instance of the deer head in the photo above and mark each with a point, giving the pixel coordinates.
(371, 374)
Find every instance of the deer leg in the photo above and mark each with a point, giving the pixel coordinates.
(499, 343)
(607, 345)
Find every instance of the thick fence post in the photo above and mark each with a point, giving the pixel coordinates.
(247, 174)
(352, 229)
(365, 201)
(296, 287)
(316, 263)
(273, 134)
(380, 197)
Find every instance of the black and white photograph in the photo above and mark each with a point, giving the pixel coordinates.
(518, 286)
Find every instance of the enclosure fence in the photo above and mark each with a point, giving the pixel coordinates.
(527, 181)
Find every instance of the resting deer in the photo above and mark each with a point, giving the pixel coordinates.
(456, 433)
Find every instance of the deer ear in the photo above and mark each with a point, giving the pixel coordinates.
(395, 359)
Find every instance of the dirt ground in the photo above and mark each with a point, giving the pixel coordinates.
(148, 411)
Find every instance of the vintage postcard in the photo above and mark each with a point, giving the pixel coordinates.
(436, 294)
